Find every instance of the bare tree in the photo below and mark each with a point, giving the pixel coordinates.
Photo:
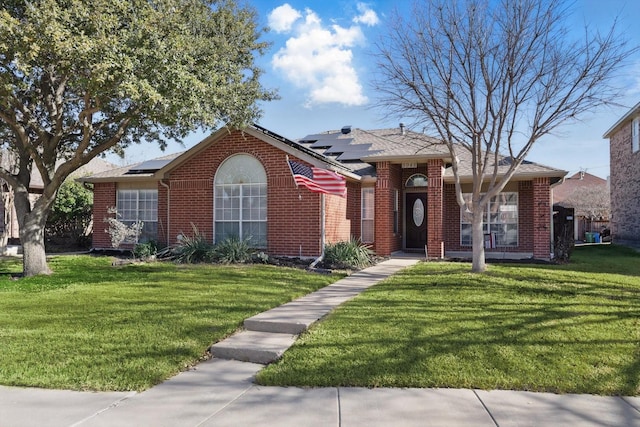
(492, 78)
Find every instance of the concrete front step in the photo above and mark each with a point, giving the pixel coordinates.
(268, 335)
(292, 318)
(296, 316)
(253, 346)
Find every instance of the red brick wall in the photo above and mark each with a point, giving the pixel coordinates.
(104, 197)
(533, 219)
(337, 221)
(190, 205)
(164, 230)
(354, 204)
(541, 218)
(389, 180)
(450, 219)
(435, 235)
(525, 216)
(625, 188)
(293, 215)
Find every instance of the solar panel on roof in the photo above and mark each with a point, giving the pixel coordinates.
(329, 142)
(354, 155)
(341, 147)
(508, 161)
(148, 166)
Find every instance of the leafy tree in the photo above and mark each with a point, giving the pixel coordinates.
(70, 215)
(491, 78)
(80, 78)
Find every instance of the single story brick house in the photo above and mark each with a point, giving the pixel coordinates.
(624, 152)
(400, 195)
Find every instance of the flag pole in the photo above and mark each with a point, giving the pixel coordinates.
(292, 174)
(290, 170)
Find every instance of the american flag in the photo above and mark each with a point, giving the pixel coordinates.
(318, 180)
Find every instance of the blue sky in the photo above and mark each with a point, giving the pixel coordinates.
(320, 61)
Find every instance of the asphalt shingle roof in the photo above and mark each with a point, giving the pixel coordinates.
(384, 144)
(356, 150)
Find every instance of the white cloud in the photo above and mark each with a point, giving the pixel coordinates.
(367, 15)
(283, 17)
(319, 59)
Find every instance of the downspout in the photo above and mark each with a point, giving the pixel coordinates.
(168, 210)
(322, 235)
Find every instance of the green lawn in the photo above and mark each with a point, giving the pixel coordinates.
(91, 326)
(570, 328)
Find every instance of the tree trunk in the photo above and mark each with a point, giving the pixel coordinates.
(34, 255)
(32, 223)
(477, 241)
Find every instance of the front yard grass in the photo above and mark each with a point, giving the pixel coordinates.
(556, 328)
(91, 326)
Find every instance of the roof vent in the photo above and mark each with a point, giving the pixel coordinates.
(403, 131)
(346, 130)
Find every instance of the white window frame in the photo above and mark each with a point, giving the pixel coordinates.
(240, 200)
(367, 217)
(135, 205)
(417, 180)
(635, 135)
(499, 219)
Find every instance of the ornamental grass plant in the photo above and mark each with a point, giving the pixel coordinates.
(348, 254)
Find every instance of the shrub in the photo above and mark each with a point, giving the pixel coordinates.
(69, 221)
(260, 257)
(145, 250)
(233, 251)
(190, 249)
(119, 232)
(564, 244)
(348, 254)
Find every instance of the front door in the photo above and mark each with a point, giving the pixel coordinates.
(415, 220)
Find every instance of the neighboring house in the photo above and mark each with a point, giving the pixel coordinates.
(9, 221)
(624, 148)
(400, 195)
(588, 196)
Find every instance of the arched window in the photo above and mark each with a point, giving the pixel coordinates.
(240, 200)
(416, 180)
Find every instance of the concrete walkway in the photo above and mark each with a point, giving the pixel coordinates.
(221, 392)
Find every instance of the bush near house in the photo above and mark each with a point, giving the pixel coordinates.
(348, 254)
(69, 222)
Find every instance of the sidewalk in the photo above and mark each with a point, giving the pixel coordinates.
(221, 392)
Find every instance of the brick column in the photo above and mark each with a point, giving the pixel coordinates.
(383, 211)
(104, 197)
(434, 209)
(541, 218)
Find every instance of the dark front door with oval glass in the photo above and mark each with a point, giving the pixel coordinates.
(415, 221)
